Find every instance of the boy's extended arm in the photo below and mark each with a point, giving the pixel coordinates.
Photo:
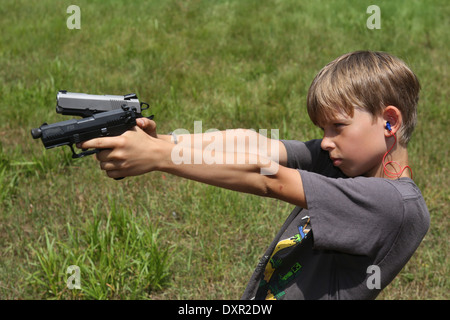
(238, 140)
(245, 140)
(136, 152)
(257, 175)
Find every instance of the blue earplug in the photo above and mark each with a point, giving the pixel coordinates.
(388, 126)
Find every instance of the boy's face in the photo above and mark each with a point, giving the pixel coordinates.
(356, 145)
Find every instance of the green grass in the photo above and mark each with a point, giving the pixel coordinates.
(118, 256)
(230, 64)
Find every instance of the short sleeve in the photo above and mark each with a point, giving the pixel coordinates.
(310, 156)
(358, 216)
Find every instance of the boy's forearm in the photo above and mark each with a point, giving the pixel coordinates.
(190, 163)
(233, 141)
(247, 173)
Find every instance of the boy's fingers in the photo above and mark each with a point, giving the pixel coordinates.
(149, 126)
(103, 155)
(146, 123)
(98, 143)
(143, 123)
(114, 174)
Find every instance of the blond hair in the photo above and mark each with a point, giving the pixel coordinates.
(369, 81)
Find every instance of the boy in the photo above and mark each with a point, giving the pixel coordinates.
(359, 216)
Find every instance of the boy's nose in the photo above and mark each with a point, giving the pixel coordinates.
(327, 144)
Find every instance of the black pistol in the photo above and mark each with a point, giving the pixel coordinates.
(102, 116)
(70, 132)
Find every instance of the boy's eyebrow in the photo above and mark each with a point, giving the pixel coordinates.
(340, 120)
(337, 118)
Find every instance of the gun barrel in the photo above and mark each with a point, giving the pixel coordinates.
(36, 133)
(69, 132)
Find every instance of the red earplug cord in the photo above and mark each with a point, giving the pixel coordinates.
(389, 173)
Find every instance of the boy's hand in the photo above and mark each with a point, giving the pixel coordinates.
(135, 152)
(149, 126)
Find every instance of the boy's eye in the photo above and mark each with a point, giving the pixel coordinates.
(335, 126)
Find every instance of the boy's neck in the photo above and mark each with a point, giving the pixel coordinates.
(395, 161)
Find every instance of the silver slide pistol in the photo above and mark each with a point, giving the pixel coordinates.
(86, 105)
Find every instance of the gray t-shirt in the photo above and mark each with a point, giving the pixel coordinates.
(356, 236)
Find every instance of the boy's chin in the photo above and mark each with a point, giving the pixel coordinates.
(353, 172)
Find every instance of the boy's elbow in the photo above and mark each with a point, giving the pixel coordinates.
(286, 186)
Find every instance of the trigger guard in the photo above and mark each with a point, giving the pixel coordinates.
(84, 153)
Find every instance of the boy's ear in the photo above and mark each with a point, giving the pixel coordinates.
(394, 116)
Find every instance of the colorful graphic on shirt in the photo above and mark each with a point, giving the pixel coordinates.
(275, 286)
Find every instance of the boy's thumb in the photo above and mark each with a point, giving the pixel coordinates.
(149, 126)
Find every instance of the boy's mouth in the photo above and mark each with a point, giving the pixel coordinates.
(336, 161)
